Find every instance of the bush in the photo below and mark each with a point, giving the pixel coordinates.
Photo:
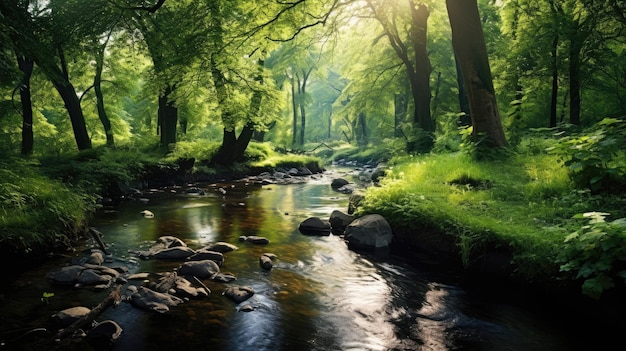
(595, 253)
(595, 159)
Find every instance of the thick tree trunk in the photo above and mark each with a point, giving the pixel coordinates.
(26, 66)
(168, 118)
(465, 120)
(469, 45)
(72, 104)
(421, 84)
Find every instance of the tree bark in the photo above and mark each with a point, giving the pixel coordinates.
(294, 106)
(72, 104)
(26, 66)
(574, 81)
(168, 117)
(97, 84)
(465, 120)
(469, 45)
(421, 80)
(361, 130)
(400, 104)
(555, 82)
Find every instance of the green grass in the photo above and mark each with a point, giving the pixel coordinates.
(36, 211)
(514, 203)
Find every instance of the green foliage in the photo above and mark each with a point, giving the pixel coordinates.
(286, 161)
(46, 297)
(257, 152)
(595, 253)
(36, 211)
(388, 149)
(595, 159)
(480, 147)
(198, 149)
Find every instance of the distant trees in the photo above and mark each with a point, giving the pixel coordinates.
(366, 72)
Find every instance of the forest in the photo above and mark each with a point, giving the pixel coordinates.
(501, 123)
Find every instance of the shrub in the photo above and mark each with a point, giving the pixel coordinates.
(595, 159)
(595, 253)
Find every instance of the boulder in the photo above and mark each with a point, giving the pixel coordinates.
(96, 257)
(314, 226)
(266, 262)
(92, 277)
(204, 254)
(259, 240)
(70, 315)
(338, 183)
(354, 201)
(204, 269)
(174, 284)
(239, 293)
(370, 232)
(174, 253)
(66, 275)
(223, 277)
(220, 246)
(148, 299)
(104, 332)
(339, 221)
(164, 242)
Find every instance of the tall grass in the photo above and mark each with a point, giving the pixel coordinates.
(37, 212)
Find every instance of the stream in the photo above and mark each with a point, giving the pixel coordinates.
(319, 295)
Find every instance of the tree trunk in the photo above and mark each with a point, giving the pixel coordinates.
(361, 130)
(294, 106)
(234, 147)
(97, 82)
(301, 102)
(400, 105)
(72, 104)
(168, 117)
(465, 120)
(26, 66)
(469, 45)
(574, 81)
(555, 82)
(421, 84)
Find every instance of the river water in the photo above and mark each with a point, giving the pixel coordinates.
(318, 296)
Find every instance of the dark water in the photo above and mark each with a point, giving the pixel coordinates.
(318, 296)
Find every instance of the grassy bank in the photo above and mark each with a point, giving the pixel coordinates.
(38, 214)
(524, 205)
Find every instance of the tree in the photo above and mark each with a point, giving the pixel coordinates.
(26, 66)
(469, 46)
(414, 57)
(175, 36)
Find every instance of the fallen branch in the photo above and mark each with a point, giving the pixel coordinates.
(322, 144)
(113, 298)
(97, 237)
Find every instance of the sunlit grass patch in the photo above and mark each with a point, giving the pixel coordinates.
(508, 203)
